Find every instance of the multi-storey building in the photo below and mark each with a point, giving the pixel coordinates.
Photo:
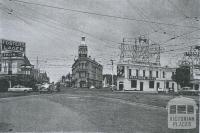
(14, 64)
(86, 72)
(13, 59)
(145, 78)
(139, 67)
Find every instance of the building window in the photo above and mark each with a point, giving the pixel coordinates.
(156, 74)
(173, 86)
(196, 87)
(167, 84)
(143, 73)
(163, 74)
(133, 83)
(150, 73)
(137, 73)
(151, 84)
(129, 72)
(82, 74)
(172, 73)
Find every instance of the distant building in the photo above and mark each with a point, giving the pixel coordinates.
(108, 79)
(86, 72)
(67, 80)
(105, 82)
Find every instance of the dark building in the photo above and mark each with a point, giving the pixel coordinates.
(15, 67)
(86, 72)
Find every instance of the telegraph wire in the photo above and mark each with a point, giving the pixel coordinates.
(28, 24)
(180, 11)
(77, 30)
(120, 43)
(171, 39)
(99, 14)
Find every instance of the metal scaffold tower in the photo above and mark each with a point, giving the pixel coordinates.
(192, 57)
(140, 50)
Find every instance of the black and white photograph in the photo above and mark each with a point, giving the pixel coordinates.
(99, 66)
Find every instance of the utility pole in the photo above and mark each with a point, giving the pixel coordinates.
(37, 63)
(10, 71)
(112, 73)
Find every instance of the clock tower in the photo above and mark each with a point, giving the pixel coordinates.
(82, 50)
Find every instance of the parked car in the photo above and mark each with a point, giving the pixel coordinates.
(161, 90)
(113, 87)
(92, 87)
(44, 88)
(19, 88)
(188, 91)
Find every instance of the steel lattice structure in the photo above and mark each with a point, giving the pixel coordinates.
(140, 50)
(192, 57)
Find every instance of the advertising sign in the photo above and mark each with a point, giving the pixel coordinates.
(196, 73)
(193, 53)
(142, 78)
(8, 45)
(120, 71)
(12, 54)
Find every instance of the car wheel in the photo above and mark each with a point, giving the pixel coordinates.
(25, 91)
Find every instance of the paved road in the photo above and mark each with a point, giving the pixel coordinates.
(76, 113)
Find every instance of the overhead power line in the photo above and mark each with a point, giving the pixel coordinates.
(69, 27)
(181, 12)
(103, 15)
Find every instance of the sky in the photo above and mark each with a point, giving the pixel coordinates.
(54, 34)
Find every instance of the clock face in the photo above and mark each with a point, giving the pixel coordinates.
(82, 51)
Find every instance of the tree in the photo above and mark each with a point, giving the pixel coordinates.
(4, 84)
(182, 76)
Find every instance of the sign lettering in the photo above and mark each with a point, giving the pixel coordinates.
(8, 45)
(12, 54)
(142, 78)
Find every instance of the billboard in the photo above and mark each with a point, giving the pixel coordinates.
(193, 53)
(196, 73)
(9, 45)
(120, 71)
(12, 49)
(12, 54)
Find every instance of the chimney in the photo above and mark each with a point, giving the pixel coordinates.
(82, 40)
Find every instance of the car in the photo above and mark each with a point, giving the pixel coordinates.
(92, 87)
(19, 88)
(161, 90)
(188, 91)
(44, 88)
(113, 87)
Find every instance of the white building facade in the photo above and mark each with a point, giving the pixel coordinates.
(141, 77)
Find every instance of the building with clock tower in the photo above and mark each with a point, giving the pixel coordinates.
(86, 72)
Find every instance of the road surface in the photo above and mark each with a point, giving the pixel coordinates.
(80, 113)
